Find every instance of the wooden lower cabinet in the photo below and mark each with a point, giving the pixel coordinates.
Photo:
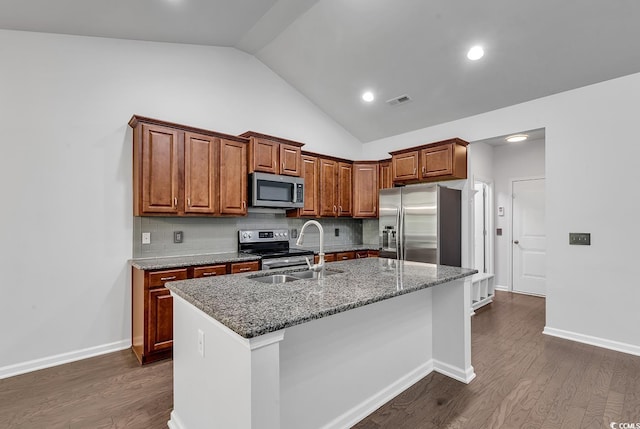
(344, 256)
(244, 267)
(152, 305)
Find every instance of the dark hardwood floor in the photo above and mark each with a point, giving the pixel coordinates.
(525, 380)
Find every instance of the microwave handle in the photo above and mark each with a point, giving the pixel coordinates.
(295, 193)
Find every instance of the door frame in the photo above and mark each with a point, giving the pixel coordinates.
(490, 252)
(511, 181)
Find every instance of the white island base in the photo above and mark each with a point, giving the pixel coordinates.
(326, 373)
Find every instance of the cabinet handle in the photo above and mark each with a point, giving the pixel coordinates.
(244, 204)
(334, 209)
(344, 257)
(358, 256)
(414, 171)
(282, 167)
(245, 269)
(339, 209)
(175, 201)
(189, 202)
(208, 274)
(164, 279)
(424, 170)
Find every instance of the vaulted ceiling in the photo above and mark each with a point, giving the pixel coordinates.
(332, 51)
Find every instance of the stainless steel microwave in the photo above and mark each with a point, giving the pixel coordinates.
(273, 190)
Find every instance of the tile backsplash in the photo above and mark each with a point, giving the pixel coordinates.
(220, 234)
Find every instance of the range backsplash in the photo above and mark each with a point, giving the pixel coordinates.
(219, 235)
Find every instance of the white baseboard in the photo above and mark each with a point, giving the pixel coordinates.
(368, 406)
(47, 362)
(454, 372)
(502, 288)
(174, 421)
(594, 341)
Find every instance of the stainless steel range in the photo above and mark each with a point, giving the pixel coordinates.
(272, 245)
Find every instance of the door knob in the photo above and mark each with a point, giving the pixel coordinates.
(516, 242)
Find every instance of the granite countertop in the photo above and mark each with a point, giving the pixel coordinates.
(251, 308)
(191, 260)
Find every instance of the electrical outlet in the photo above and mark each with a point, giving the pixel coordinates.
(337, 232)
(177, 236)
(580, 238)
(201, 342)
(146, 238)
(294, 233)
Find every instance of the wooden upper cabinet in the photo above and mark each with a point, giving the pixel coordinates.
(157, 178)
(311, 176)
(404, 166)
(385, 175)
(290, 160)
(328, 187)
(345, 189)
(445, 160)
(263, 156)
(275, 155)
(233, 177)
(200, 175)
(177, 168)
(365, 190)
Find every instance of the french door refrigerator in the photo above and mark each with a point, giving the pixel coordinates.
(421, 223)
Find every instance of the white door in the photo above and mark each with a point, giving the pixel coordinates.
(529, 237)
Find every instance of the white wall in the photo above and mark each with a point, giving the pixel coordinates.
(66, 171)
(591, 175)
(513, 161)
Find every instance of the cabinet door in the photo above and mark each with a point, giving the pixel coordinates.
(385, 175)
(233, 177)
(437, 161)
(328, 187)
(160, 173)
(345, 189)
(365, 190)
(264, 156)
(405, 166)
(200, 160)
(290, 160)
(160, 327)
(311, 183)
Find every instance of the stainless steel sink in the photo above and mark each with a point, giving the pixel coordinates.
(291, 277)
(311, 274)
(276, 279)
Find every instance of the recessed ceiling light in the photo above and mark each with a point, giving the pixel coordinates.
(475, 53)
(517, 138)
(368, 96)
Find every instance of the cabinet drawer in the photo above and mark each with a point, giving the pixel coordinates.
(343, 256)
(243, 267)
(373, 253)
(158, 278)
(209, 271)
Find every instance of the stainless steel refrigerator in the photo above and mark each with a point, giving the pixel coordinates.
(421, 223)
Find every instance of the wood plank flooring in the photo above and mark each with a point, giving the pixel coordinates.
(524, 380)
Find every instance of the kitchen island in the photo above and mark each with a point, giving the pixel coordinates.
(315, 353)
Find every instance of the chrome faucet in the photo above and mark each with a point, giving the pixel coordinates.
(319, 267)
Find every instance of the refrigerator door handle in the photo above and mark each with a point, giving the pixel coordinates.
(398, 234)
(401, 233)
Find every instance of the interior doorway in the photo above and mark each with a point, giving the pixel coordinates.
(482, 218)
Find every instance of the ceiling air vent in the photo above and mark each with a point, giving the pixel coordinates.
(399, 100)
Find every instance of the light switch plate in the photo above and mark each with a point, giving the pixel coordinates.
(146, 238)
(177, 236)
(580, 238)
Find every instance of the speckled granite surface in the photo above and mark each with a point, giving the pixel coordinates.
(251, 308)
(187, 261)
